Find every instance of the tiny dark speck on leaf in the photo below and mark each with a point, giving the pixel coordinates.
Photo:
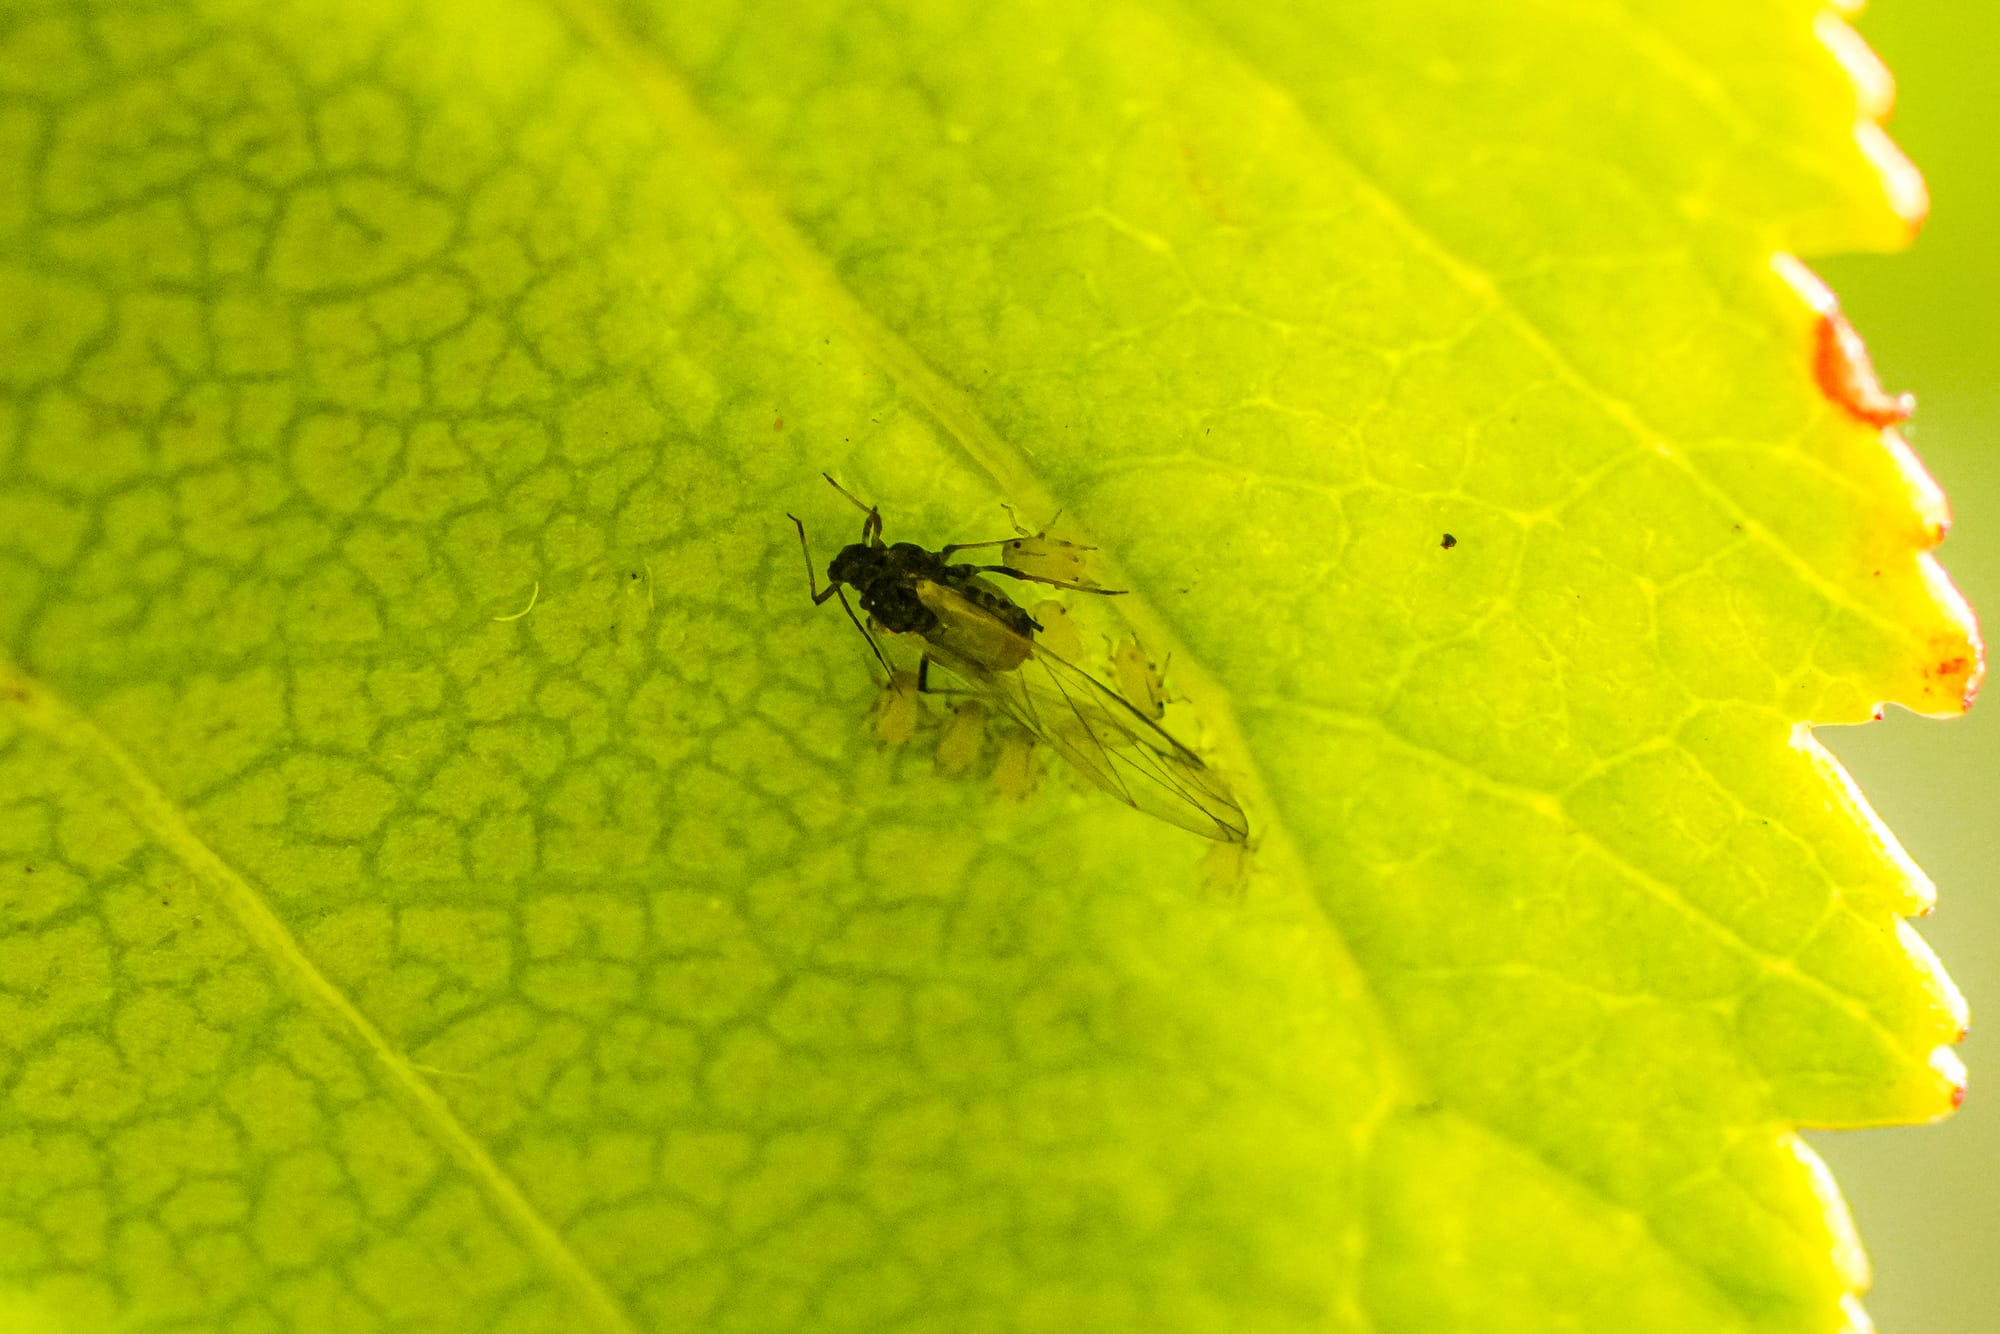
(1449, 542)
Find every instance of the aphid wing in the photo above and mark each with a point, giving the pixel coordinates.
(1126, 753)
(1049, 715)
(1108, 740)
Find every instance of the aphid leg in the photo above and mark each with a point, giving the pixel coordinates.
(1013, 573)
(873, 647)
(924, 679)
(1019, 534)
(950, 549)
(812, 584)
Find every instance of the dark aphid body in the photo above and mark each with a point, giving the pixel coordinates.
(888, 581)
(971, 629)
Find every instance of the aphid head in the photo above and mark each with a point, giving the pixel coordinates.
(857, 565)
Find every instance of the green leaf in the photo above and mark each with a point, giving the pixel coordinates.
(448, 876)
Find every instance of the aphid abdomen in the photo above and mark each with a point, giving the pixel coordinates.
(974, 633)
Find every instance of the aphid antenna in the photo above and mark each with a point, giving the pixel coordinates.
(1015, 519)
(873, 528)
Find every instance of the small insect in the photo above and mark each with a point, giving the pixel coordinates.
(979, 635)
(1049, 559)
(1140, 680)
(897, 711)
(964, 737)
(1014, 771)
(1058, 633)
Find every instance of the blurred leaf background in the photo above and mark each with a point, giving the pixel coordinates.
(1928, 1201)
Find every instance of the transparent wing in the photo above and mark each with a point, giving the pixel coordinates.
(1107, 740)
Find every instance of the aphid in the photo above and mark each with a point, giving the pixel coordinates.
(964, 737)
(1058, 634)
(1014, 771)
(979, 635)
(1051, 560)
(1140, 680)
(896, 712)
(1226, 869)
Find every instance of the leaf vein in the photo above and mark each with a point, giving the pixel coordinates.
(161, 818)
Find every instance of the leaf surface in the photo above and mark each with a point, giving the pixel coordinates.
(451, 880)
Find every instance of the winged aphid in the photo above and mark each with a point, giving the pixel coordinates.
(972, 630)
